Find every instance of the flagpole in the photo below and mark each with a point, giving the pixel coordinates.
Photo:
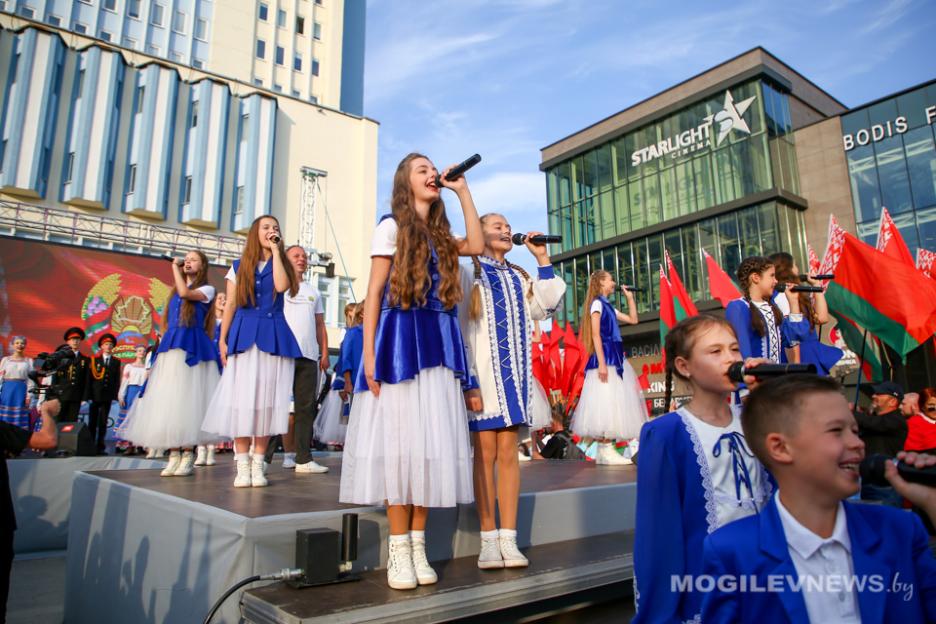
(864, 341)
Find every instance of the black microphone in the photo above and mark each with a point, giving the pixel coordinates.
(172, 259)
(458, 170)
(821, 276)
(737, 372)
(632, 288)
(539, 239)
(799, 289)
(275, 238)
(872, 471)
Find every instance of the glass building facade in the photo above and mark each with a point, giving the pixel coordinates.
(611, 203)
(891, 154)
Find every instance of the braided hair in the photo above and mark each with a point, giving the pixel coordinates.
(679, 342)
(474, 307)
(750, 266)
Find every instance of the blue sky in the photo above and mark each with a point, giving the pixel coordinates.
(505, 78)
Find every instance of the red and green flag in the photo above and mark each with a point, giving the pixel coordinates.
(685, 307)
(668, 304)
(864, 345)
(720, 285)
(890, 242)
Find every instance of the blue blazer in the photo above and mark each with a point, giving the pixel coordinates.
(886, 543)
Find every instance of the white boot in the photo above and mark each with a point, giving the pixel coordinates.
(490, 557)
(400, 571)
(257, 478)
(202, 458)
(425, 575)
(175, 458)
(513, 558)
(242, 479)
(150, 453)
(185, 466)
(209, 456)
(608, 456)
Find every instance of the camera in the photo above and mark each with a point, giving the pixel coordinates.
(46, 364)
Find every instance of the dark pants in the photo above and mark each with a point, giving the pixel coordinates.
(6, 563)
(305, 391)
(69, 411)
(97, 421)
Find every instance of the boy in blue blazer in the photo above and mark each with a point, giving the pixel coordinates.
(809, 556)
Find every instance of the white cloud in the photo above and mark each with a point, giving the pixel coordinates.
(510, 192)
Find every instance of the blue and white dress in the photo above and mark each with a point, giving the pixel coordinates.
(615, 410)
(169, 413)
(253, 396)
(811, 349)
(692, 478)
(777, 338)
(499, 340)
(131, 383)
(330, 427)
(15, 385)
(409, 445)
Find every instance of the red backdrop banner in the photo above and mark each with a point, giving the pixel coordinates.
(46, 288)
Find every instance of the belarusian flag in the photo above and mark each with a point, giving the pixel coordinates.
(720, 285)
(669, 305)
(890, 242)
(833, 247)
(890, 299)
(679, 291)
(870, 352)
(926, 262)
(814, 263)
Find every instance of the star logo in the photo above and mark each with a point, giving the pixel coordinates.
(731, 117)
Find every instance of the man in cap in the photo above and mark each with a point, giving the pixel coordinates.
(74, 378)
(102, 388)
(884, 431)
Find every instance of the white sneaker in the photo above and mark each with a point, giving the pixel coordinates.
(490, 557)
(607, 456)
(425, 575)
(257, 478)
(185, 466)
(202, 458)
(521, 456)
(513, 558)
(242, 479)
(289, 460)
(150, 453)
(175, 458)
(400, 571)
(311, 467)
(209, 456)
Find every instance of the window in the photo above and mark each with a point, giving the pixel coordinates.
(140, 94)
(153, 49)
(201, 29)
(258, 82)
(313, 99)
(278, 88)
(317, 31)
(176, 56)
(281, 18)
(129, 42)
(194, 114)
(198, 64)
(261, 48)
(319, 2)
(69, 167)
(79, 86)
(315, 67)
(133, 8)
(54, 20)
(156, 15)
(300, 25)
(178, 22)
(297, 62)
(187, 193)
(131, 180)
(86, 2)
(245, 127)
(110, 5)
(263, 11)
(27, 12)
(80, 28)
(295, 93)
(106, 36)
(239, 202)
(280, 55)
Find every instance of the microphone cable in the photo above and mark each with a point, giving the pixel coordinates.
(286, 574)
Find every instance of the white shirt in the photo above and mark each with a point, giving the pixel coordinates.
(721, 468)
(384, 241)
(300, 314)
(232, 274)
(595, 307)
(829, 561)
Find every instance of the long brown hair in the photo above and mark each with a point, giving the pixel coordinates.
(750, 266)
(410, 279)
(252, 254)
(187, 308)
(784, 264)
(358, 317)
(594, 289)
(679, 342)
(474, 307)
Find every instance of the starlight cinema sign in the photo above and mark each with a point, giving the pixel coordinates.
(731, 117)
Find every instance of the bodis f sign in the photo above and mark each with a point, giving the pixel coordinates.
(881, 131)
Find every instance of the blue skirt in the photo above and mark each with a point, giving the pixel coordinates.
(132, 393)
(13, 408)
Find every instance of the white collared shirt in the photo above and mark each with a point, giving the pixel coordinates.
(829, 561)
(300, 314)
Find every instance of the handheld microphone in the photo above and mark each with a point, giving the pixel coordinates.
(737, 372)
(821, 276)
(872, 471)
(458, 170)
(172, 259)
(276, 239)
(539, 239)
(799, 289)
(632, 288)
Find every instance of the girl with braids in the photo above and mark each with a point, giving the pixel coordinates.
(815, 312)
(760, 326)
(185, 372)
(258, 350)
(611, 406)
(696, 471)
(407, 440)
(497, 321)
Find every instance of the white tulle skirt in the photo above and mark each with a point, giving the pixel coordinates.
(328, 428)
(615, 410)
(410, 445)
(540, 412)
(171, 410)
(253, 396)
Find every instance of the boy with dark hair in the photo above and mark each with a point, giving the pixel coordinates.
(809, 556)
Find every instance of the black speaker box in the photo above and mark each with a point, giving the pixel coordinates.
(317, 552)
(75, 439)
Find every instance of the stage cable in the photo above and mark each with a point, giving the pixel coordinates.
(286, 574)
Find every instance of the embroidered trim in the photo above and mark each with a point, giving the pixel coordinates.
(711, 510)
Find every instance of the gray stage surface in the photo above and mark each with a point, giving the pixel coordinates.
(148, 550)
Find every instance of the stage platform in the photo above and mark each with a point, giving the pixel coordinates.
(148, 549)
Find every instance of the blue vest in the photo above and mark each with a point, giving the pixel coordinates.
(262, 324)
(611, 342)
(192, 339)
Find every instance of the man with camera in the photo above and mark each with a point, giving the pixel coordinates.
(71, 381)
